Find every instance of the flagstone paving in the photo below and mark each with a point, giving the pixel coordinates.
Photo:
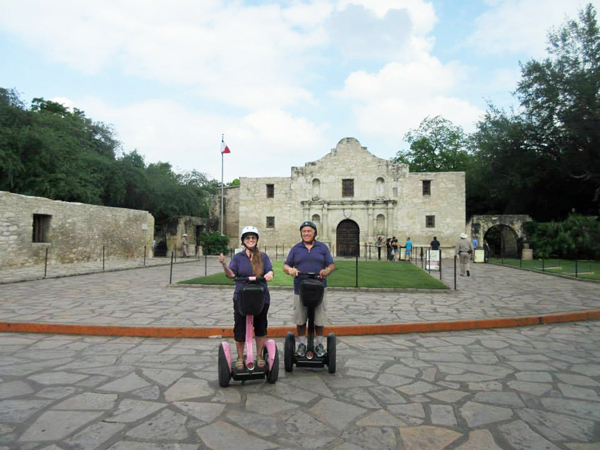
(390, 392)
(142, 297)
(519, 388)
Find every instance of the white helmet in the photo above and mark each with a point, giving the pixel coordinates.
(248, 230)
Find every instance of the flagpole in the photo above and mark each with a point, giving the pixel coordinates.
(222, 163)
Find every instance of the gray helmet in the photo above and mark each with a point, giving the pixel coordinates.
(308, 223)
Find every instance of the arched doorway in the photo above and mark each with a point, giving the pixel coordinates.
(503, 241)
(348, 235)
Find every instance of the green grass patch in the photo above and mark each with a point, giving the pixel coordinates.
(371, 274)
(582, 269)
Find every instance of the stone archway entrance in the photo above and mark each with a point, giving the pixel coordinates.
(347, 238)
(503, 241)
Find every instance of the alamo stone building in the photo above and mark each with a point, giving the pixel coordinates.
(32, 228)
(353, 196)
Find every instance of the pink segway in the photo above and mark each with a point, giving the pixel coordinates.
(252, 301)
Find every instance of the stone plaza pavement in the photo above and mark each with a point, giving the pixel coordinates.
(517, 388)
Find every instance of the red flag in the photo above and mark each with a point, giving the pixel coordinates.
(224, 148)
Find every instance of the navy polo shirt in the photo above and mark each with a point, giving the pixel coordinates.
(241, 266)
(305, 260)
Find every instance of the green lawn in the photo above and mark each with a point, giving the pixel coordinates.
(584, 269)
(372, 274)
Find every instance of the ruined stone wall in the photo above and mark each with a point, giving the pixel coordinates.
(387, 200)
(75, 231)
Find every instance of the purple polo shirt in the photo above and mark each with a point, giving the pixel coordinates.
(242, 267)
(305, 260)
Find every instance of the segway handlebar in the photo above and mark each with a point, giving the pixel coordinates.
(252, 278)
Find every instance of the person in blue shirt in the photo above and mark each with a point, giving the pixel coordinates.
(408, 248)
(247, 263)
(313, 256)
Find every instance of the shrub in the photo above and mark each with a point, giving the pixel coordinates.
(213, 242)
(578, 237)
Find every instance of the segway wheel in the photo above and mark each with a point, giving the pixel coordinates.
(331, 353)
(288, 351)
(224, 369)
(272, 374)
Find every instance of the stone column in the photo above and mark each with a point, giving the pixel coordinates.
(370, 223)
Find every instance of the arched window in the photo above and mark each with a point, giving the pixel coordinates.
(316, 188)
(380, 225)
(317, 220)
(380, 187)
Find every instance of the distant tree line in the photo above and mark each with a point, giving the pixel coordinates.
(50, 151)
(542, 160)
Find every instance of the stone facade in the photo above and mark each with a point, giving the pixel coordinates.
(169, 234)
(352, 195)
(504, 232)
(70, 231)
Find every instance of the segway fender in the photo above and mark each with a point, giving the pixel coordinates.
(227, 352)
(271, 349)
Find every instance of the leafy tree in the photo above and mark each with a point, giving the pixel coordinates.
(436, 146)
(213, 242)
(560, 98)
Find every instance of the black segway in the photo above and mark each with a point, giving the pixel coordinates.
(252, 301)
(311, 296)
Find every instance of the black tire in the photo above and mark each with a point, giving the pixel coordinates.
(331, 363)
(224, 369)
(272, 374)
(288, 351)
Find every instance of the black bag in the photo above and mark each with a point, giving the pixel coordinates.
(311, 292)
(251, 299)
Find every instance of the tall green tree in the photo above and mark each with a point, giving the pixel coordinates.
(561, 98)
(436, 146)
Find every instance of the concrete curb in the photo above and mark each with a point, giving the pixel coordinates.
(280, 331)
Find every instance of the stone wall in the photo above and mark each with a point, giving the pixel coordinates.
(71, 231)
(387, 200)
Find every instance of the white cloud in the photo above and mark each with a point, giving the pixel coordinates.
(514, 26)
(400, 96)
(249, 56)
(264, 143)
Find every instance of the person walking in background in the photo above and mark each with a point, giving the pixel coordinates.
(435, 244)
(379, 244)
(394, 244)
(475, 244)
(184, 244)
(408, 248)
(486, 249)
(464, 250)
(388, 246)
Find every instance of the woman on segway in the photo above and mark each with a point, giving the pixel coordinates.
(313, 256)
(250, 262)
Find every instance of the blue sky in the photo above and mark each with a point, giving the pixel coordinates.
(283, 80)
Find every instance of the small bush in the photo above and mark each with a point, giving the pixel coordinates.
(213, 242)
(578, 237)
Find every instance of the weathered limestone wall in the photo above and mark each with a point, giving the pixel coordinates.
(77, 232)
(387, 200)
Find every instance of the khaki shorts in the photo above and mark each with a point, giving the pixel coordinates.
(301, 314)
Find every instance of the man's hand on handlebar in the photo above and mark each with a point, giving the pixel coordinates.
(293, 272)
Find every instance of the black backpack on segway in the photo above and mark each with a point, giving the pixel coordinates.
(311, 296)
(252, 301)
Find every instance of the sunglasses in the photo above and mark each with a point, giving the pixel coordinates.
(246, 238)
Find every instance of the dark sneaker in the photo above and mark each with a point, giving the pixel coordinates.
(320, 351)
(301, 350)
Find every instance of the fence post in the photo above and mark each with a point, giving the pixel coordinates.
(576, 269)
(543, 268)
(171, 274)
(46, 263)
(356, 271)
(454, 270)
(441, 263)
(144, 255)
(103, 258)
(205, 265)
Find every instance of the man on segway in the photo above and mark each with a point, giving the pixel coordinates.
(309, 256)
